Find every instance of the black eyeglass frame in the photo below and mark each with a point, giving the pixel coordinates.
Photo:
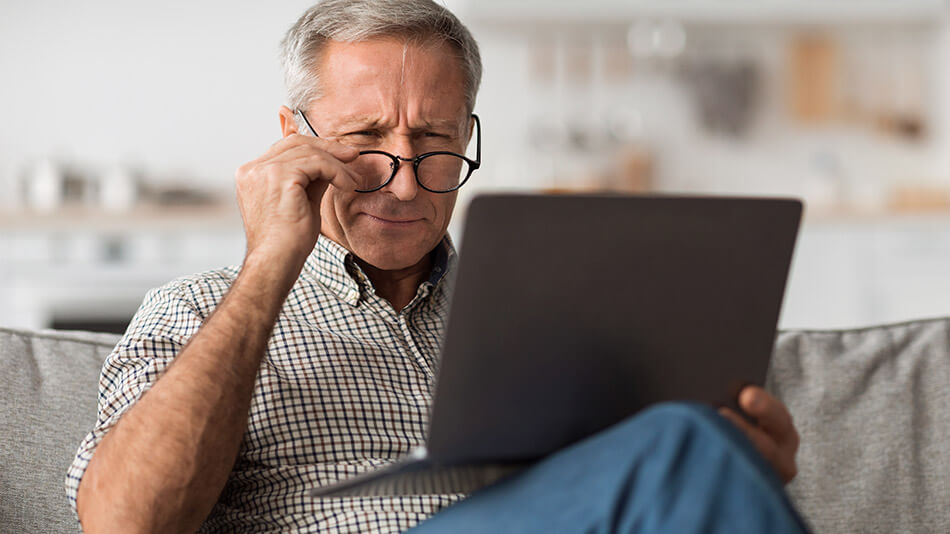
(397, 160)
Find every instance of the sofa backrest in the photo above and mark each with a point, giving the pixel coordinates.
(872, 406)
(48, 387)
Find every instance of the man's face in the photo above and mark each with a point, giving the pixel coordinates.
(405, 99)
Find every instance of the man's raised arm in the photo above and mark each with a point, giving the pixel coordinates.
(164, 464)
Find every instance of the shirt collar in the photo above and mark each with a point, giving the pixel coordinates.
(335, 268)
(444, 260)
(330, 264)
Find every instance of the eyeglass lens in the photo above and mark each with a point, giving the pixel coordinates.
(438, 172)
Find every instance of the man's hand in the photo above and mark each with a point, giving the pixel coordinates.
(774, 433)
(279, 193)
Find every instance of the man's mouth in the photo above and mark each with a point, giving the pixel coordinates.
(393, 220)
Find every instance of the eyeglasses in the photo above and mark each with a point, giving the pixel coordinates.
(439, 171)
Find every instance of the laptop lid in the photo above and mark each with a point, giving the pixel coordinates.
(571, 313)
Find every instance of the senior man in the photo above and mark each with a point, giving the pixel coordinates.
(236, 391)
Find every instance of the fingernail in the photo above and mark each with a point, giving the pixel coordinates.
(749, 399)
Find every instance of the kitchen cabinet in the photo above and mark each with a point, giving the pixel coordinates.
(81, 268)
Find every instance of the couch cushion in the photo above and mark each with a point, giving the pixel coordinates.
(872, 406)
(48, 384)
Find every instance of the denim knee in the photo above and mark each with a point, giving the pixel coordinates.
(687, 420)
(686, 417)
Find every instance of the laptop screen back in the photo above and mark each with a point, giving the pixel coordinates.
(571, 313)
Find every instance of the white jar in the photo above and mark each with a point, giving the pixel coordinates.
(44, 188)
(118, 189)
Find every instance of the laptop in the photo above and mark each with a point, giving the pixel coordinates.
(573, 312)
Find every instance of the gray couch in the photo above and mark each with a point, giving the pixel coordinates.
(872, 406)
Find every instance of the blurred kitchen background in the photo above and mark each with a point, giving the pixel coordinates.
(122, 123)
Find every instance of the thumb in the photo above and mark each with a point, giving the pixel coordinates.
(315, 192)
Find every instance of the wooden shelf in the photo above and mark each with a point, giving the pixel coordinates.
(144, 217)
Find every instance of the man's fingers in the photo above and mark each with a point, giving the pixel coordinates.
(770, 414)
(315, 167)
(315, 193)
(760, 439)
(279, 193)
(338, 150)
(781, 461)
(304, 163)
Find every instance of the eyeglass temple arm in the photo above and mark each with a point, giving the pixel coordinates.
(478, 144)
(314, 132)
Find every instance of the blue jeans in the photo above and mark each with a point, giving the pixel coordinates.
(673, 468)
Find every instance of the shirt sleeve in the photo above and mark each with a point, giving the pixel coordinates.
(167, 318)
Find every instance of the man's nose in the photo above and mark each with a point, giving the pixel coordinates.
(404, 185)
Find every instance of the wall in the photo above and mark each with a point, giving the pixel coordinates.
(187, 91)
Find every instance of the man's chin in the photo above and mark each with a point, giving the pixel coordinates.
(393, 258)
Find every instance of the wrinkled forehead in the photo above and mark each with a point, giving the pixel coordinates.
(421, 79)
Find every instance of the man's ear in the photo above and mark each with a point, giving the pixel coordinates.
(288, 123)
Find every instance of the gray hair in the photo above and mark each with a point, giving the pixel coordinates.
(360, 20)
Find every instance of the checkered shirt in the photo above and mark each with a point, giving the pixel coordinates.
(344, 388)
